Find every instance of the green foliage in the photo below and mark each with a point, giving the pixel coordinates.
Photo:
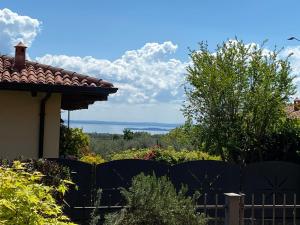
(92, 158)
(54, 175)
(106, 144)
(282, 145)
(53, 172)
(95, 217)
(24, 200)
(236, 96)
(155, 201)
(182, 137)
(127, 134)
(168, 155)
(73, 141)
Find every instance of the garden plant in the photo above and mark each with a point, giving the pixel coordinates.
(24, 199)
(154, 200)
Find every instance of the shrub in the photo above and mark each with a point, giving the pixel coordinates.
(106, 144)
(127, 134)
(73, 141)
(54, 174)
(168, 155)
(24, 200)
(281, 145)
(95, 217)
(92, 158)
(155, 201)
(181, 137)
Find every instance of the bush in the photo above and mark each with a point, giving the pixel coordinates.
(95, 217)
(155, 201)
(127, 134)
(106, 144)
(53, 174)
(282, 145)
(168, 155)
(73, 141)
(182, 137)
(92, 158)
(24, 200)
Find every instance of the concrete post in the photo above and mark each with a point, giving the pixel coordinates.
(234, 211)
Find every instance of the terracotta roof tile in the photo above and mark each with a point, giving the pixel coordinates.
(291, 112)
(37, 73)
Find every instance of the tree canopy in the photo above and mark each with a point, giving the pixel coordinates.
(236, 96)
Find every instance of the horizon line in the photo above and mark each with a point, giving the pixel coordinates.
(120, 122)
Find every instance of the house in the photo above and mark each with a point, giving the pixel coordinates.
(31, 98)
(293, 110)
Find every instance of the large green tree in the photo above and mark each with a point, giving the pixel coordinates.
(236, 95)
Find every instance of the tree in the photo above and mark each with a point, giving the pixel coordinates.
(73, 141)
(182, 137)
(236, 96)
(127, 134)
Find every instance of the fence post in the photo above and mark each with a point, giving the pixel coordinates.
(234, 210)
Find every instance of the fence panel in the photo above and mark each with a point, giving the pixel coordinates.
(271, 183)
(265, 185)
(82, 176)
(211, 178)
(115, 174)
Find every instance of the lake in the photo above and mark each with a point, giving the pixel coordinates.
(113, 127)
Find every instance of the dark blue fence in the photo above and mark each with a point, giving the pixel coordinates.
(211, 177)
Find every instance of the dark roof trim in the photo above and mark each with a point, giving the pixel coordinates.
(73, 97)
(56, 88)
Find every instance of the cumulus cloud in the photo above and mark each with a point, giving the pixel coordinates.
(295, 64)
(295, 58)
(145, 75)
(15, 28)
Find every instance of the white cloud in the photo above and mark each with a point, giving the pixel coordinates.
(164, 112)
(295, 58)
(145, 75)
(15, 28)
(295, 64)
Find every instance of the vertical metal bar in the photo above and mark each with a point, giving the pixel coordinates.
(284, 204)
(205, 200)
(273, 216)
(68, 119)
(263, 209)
(216, 209)
(294, 211)
(252, 209)
(109, 202)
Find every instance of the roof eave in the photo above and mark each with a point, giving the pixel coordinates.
(64, 89)
(73, 97)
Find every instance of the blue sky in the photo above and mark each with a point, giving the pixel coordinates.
(141, 46)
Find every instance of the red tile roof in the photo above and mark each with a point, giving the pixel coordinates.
(35, 73)
(291, 112)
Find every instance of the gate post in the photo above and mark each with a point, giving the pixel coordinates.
(234, 209)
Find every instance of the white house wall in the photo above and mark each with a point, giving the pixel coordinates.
(19, 125)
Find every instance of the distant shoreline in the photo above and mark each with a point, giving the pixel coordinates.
(124, 123)
(116, 127)
(147, 129)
